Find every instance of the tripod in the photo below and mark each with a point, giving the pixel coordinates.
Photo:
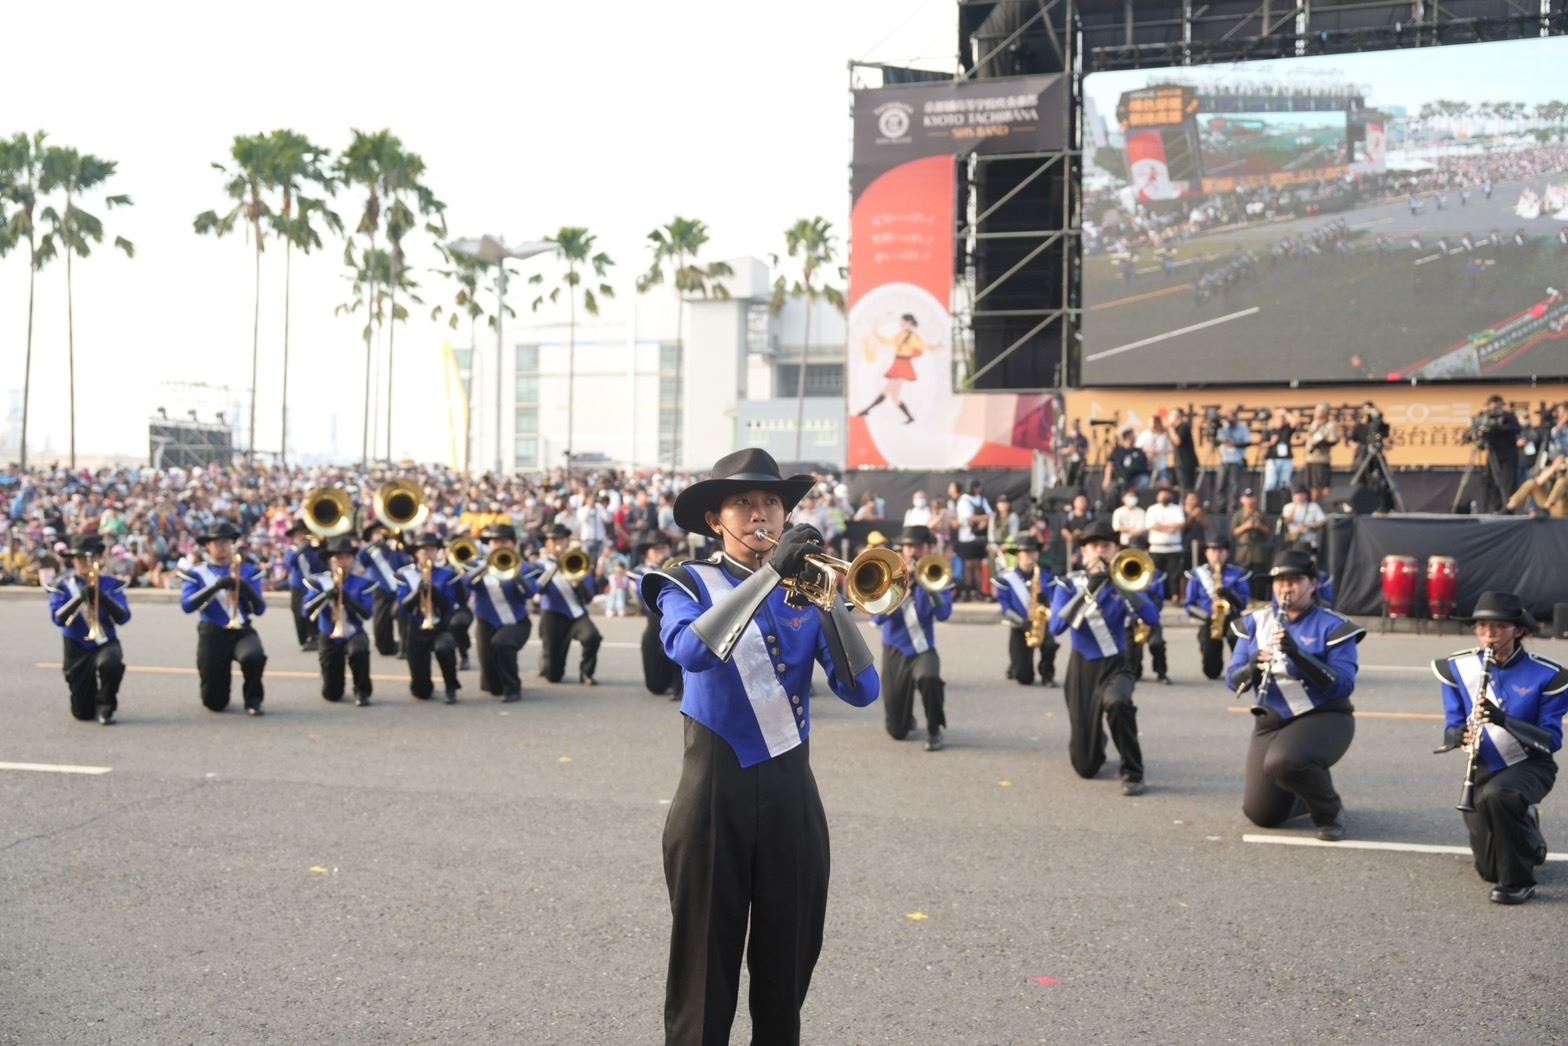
(1374, 471)
(1476, 450)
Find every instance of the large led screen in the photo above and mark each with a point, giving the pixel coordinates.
(1382, 216)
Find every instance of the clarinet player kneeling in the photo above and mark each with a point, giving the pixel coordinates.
(1504, 705)
(1298, 659)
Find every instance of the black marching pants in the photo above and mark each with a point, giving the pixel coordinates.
(1290, 758)
(1094, 689)
(216, 646)
(458, 624)
(659, 673)
(556, 632)
(742, 846)
(383, 615)
(1503, 837)
(1157, 654)
(1020, 658)
(93, 677)
(901, 677)
(498, 649)
(304, 628)
(422, 642)
(355, 650)
(1212, 651)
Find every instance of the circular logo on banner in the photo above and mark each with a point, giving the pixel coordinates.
(893, 121)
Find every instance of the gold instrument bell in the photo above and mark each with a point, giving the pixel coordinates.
(400, 505)
(462, 551)
(574, 565)
(328, 512)
(503, 563)
(876, 582)
(933, 573)
(1132, 570)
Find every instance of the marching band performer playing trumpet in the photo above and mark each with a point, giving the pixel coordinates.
(909, 658)
(1299, 659)
(225, 593)
(87, 606)
(427, 596)
(1099, 680)
(501, 588)
(746, 839)
(339, 602)
(1523, 697)
(1024, 595)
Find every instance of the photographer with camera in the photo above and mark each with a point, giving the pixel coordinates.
(1233, 439)
(1367, 440)
(1497, 429)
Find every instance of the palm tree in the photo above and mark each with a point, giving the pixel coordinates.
(22, 161)
(401, 185)
(366, 163)
(298, 165)
(574, 247)
(465, 272)
(810, 241)
(368, 277)
(676, 246)
(249, 175)
(74, 231)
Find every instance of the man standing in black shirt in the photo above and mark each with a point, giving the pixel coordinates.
(1497, 428)
(1127, 469)
(1186, 450)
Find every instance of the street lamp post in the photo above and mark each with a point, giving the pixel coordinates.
(492, 250)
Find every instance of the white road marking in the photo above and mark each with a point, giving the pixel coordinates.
(1178, 332)
(1362, 844)
(56, 768)
(1368, 225)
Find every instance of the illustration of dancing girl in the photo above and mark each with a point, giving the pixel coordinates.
(906, 345)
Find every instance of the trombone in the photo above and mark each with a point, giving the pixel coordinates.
(1132, 570)
(460, 552)
(400, 505)
(91, 605)
(328, 512)
(573, 565)
(876, 582)
(503, 564)
(933, 573)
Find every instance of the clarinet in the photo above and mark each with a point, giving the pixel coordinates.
(1476, 725)
(1267, 676)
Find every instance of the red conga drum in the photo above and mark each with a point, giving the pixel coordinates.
(1442, 586)
(1399, 585)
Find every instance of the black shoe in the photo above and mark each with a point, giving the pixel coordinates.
(1048, 681)
(361, 700)
(401, 656)
(587, 680)
(1332, 832)
(451, 697)
(1131, 786)
(1297, 808)
(254, 710)
(934, 743)
(310, 646)
(1512, 894)
(511, 697)
(106, 716)
(464, 665)
(1163, 678)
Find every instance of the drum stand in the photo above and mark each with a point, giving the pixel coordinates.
(1374, 469)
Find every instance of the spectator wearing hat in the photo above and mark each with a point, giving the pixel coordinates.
(325, 591)
(1018, 591)
(1250, 532)
(223, 631)
(302, 561)
(501, 624)
(1522, 725)
(427, 595)
(1298, 658)
(1099, 683)
(659, 674)
(380, 561)
(1217, 579)
(728, 860)
(910, 661)
(563, 614)
(93, 663)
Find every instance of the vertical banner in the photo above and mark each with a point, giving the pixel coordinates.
(899, 369)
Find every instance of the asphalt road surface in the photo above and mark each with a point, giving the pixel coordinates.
(417, 873)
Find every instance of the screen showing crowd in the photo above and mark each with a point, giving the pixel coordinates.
(1379, 216)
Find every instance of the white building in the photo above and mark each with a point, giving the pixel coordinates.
(623, 397)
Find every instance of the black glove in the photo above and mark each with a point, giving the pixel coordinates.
(118, 614)
(1287, 643)
(795, 544)
(1043, 598)
(1453, 737)
(1253, 679)
(1097, 581)
(250, 599)
(1493, 712)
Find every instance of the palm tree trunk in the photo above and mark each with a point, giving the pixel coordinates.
(800, 391)
(680, 370)
(255, 349)
(468, 397)
(370, 323)
(283, 428)
(70, 341)
(27, 367)
(391, 339)
(571, 372)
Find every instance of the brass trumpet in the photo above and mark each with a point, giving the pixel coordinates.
(327, 512)
(876, 582)
(1132, 570)
(933, 573)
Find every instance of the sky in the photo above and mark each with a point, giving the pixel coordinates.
(616, 116)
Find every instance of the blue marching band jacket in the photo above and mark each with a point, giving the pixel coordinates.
(199, 595)
(759, 701)
(1097, 621)
(381, 565)
(1015, 594)
(1200, 590)
(561, 597)
(500, 603)
(321, 603)
(68, 608)
(302, 563)
(1321, 671)
(909, 629)
(446, 594)
(1533, 693)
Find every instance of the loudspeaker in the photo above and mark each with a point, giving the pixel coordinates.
(1560, 620)
(1274, 501)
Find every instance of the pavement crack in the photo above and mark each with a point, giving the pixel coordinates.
(151, 800)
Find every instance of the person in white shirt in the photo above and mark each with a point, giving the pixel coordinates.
(919, 514)
(1155, 442)
(1129, 521)
(1303, 520)
(1165, 520)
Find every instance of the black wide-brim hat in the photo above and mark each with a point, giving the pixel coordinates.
(916, 535)
(749, 469)
(504, 531)
(1217, 541)
(1099, 531)
(368, 531)
(87, 545)
(340, 545)
(1502, 606)
(429, 539)
(1293, 561)
(1025, 544)
(558, 533)
(221, 532)
(649, 541)
(298, 527)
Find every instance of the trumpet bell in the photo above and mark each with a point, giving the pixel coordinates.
(328, 512)
(933, 573)
(1132, 570)
(877, 581)
(574, 565)
(400, 505)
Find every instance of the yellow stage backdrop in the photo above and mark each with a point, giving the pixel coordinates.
(1428, 422)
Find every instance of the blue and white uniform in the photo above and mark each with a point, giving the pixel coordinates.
(446, 595)
(503, 628)
(1320, 633)
(358, 600)
(910, 662)
(92, 669)
(216, 608)
(563, 617)
(1099, 629)
(217, 643)
(1015, 598)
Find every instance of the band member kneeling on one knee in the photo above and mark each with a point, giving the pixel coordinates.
(1018, 592)
(93, 663)
(427, 596)
(303, 560)
(226, 594)
(746, 839)
(1099, 682)
(1526, 696)
(563, 615)
(659, 674)
(380, 562)
(1298, 659)
(910, 662)
(345, 642)
(1217, 581)
(501, 625)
